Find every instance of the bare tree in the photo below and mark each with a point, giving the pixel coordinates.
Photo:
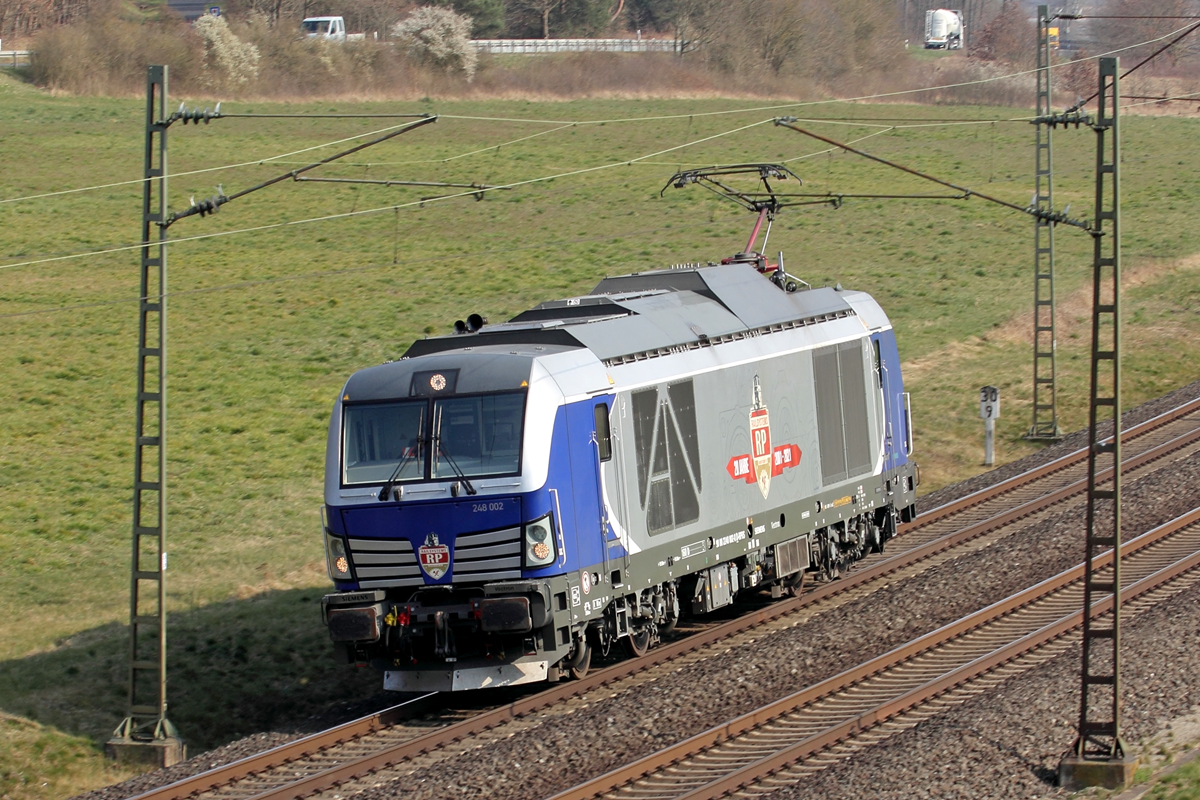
(1009, 37)
(779, 31)
(26, 17)
(541, 9)
(1117, 33)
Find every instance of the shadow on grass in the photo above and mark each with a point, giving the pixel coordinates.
(235, 668)
(22, 73)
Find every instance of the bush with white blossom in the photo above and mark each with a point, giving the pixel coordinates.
(438, 36)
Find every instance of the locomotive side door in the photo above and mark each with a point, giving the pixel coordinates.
(887, 374)
(587, 448)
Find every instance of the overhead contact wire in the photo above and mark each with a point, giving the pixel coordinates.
(379, 209)
(172, 175)
(346, 271)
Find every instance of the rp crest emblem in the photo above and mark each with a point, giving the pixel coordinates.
(433, 557)
(760, 440)
(763, 462)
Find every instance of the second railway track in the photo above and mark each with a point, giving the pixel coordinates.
(350, 754)
(739, 755)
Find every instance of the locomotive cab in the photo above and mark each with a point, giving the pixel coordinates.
(445, 530)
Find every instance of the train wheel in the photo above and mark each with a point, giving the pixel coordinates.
(830, 557)
(794, 584)
(637, 642)
(582, 662)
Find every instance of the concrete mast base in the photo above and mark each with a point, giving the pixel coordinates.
(1076, 773)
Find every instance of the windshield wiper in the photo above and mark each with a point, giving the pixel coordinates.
(450, 459)
(387, 485)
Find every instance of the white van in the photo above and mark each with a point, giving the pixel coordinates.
(328, 28)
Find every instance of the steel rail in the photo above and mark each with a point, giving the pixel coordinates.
(1055, 592)
(392, 754)
(1070, 459)
(291, 751)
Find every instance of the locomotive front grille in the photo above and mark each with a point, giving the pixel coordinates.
(492, 556)
(385, 562)
(478, 558)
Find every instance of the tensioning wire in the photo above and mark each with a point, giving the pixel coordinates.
(379, 209)
(1188, 96)
(846, 122)
(354, 270)
(490, 148)
(447, 159)
(206, 169)
(914, 124)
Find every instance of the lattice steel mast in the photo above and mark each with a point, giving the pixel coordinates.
(1045, 344)
(1099, 756)
(146, 733)
(1101, 643)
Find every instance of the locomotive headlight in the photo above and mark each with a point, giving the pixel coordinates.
(336, 560)
(539, 542)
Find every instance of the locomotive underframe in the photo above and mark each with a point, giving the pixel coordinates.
(512, 632)
(835, 530)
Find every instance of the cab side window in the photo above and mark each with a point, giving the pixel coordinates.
(603, 437)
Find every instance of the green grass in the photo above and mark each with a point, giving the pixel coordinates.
(266, 327)
(39, 761)
(1182, 784)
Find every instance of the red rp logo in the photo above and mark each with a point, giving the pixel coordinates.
(433, 557)
(763, 462)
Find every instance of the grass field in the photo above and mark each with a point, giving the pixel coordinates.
(266, 326)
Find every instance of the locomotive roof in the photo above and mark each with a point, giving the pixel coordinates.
(627, 316)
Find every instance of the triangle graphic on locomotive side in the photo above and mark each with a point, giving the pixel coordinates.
(667, 447)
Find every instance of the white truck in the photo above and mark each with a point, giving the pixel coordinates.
(330, 29)
(944, 29)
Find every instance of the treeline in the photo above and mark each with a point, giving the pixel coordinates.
(695, 21)
(26, 17)
(255, 46)
(781, 47)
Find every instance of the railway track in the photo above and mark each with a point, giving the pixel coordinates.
(356, 750)
(780, 740)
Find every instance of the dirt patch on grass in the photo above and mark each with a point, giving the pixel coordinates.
(938, 359)
(1072, 314)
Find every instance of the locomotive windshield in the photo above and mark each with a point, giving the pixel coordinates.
(478, 435)
(379, 437)
(471, 436)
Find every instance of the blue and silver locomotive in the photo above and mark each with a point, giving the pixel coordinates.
(502, 502)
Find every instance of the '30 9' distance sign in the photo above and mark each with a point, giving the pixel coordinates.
(989, 403)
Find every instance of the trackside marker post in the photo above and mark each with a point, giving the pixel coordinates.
(989, 411)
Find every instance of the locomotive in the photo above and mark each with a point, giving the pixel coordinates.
(507, 500)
